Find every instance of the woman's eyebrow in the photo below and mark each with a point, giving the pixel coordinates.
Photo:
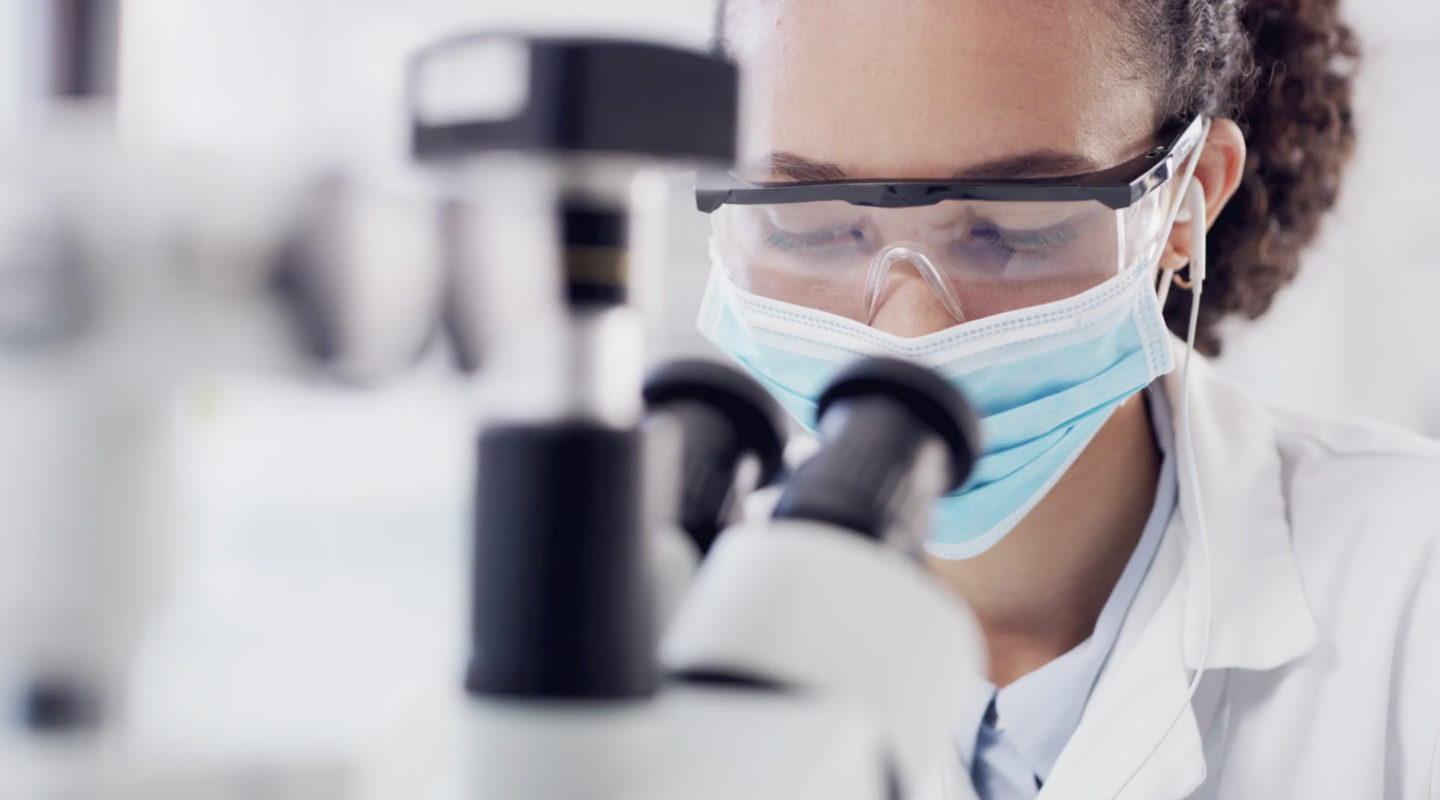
(791, 167)
(1037, 164)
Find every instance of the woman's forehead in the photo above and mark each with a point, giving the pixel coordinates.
(932, 88)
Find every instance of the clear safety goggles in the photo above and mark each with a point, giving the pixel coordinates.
(983, 247)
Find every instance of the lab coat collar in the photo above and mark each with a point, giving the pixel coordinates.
(1139, 706)
(1139, 738)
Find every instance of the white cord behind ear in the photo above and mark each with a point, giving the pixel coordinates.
(1167, 277)
(1195, 204)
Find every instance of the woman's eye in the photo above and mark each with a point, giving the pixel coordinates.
(820, 240)
(1037, 242)
(994, 252)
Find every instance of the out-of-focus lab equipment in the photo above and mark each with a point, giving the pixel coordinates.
(628, 638)
(125, 274)
(811, 656)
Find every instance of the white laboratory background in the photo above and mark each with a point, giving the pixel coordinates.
(341, 590)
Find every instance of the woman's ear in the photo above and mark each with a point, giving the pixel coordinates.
(1222, 165)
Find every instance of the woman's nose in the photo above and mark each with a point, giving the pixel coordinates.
(907, 305)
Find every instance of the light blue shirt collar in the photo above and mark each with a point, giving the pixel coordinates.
(1035, 716)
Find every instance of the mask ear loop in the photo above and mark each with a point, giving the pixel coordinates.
(1195, 205)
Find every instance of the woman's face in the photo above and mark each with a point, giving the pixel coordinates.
(840, 89)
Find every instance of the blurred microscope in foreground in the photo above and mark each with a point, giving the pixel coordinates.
(125, 274)
(810, 656)
(805, 655)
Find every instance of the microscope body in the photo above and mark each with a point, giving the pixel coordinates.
(807, 660)
(804, 605)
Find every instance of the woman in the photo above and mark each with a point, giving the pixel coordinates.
(1182, 593)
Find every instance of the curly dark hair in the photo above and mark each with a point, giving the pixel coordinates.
(1283, 70)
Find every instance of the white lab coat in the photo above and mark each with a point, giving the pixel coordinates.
(1323, 676)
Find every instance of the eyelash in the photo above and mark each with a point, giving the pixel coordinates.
(1027, 243)
(1024, 247)
(826, 242)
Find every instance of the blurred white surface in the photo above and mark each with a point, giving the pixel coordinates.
(326, 76)
(319, 588)
(322, 592)
(1353, 335)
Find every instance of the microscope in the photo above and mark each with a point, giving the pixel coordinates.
(631, 635)
(808, 655)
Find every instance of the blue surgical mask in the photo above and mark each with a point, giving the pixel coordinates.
(1043, 381)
